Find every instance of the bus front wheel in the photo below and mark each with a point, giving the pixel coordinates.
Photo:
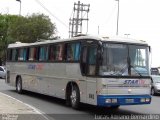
(115, 107)
(75, 97)
(19, 85)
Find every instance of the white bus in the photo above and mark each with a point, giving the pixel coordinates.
(100, 71)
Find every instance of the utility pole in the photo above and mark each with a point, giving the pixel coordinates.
(19, 6)
(117, 17)
(79, 15)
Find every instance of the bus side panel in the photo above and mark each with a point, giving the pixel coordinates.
(91, 90)
(49, 78)
(11, 76)
(74, 73)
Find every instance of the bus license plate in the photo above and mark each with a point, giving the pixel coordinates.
(129, 100)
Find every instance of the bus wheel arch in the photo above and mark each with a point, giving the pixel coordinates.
(72, 95)
(19, 84)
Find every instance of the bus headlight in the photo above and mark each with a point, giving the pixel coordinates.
(108, 100)
(147, 99)
(111, 100)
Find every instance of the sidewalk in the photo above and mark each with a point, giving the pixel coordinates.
(13, 109)
(9, 105)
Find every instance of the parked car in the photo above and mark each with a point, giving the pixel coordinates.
(155, 71)
(155, 87)
(2, 72)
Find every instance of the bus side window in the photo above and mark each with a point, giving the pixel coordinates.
(33, 54)
(69, 52)
(36, 54)
(43, 53)
(15, 55)
(83, 60)
(92, 55)
(9, 54)
(77, 52)
(52, 53)
(56, 52)
(73, 52)
(25, 54)
(20, 55)
(59, 52)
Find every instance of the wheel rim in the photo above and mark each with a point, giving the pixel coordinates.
(73, 97)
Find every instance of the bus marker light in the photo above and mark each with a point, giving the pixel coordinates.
(111, 100)
(114, 100)
(143, 100)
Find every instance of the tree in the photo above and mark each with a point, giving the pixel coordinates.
(3, 36)
(32, 28)
(24, 29)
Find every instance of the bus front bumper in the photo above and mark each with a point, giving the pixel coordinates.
(114, 100)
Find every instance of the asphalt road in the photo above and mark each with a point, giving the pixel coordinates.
(56, 108)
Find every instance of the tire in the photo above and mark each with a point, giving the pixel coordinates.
(115, 107)
(19, 85)
(68, 94)
(75, 97)
(153, 91)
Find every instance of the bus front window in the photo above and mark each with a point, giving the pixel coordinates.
(114, 60)
(139, 63)
(124, 60)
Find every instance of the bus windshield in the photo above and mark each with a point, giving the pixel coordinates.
(124, 60)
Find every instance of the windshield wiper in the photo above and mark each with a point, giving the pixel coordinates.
(136, 70)
(121, 71)
(130, 66)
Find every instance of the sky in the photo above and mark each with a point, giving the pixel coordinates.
(139, 18)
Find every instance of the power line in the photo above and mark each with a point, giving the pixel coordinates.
(42, 5)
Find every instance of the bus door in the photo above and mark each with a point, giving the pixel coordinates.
(89, 69)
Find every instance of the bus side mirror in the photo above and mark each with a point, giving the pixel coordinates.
(100, 58)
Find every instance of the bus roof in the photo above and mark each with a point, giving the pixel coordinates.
(98, 38)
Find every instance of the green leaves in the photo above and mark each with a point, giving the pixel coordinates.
(32, 28)
(24, 29)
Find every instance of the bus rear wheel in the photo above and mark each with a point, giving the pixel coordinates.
(75, 97)
(19, 85)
